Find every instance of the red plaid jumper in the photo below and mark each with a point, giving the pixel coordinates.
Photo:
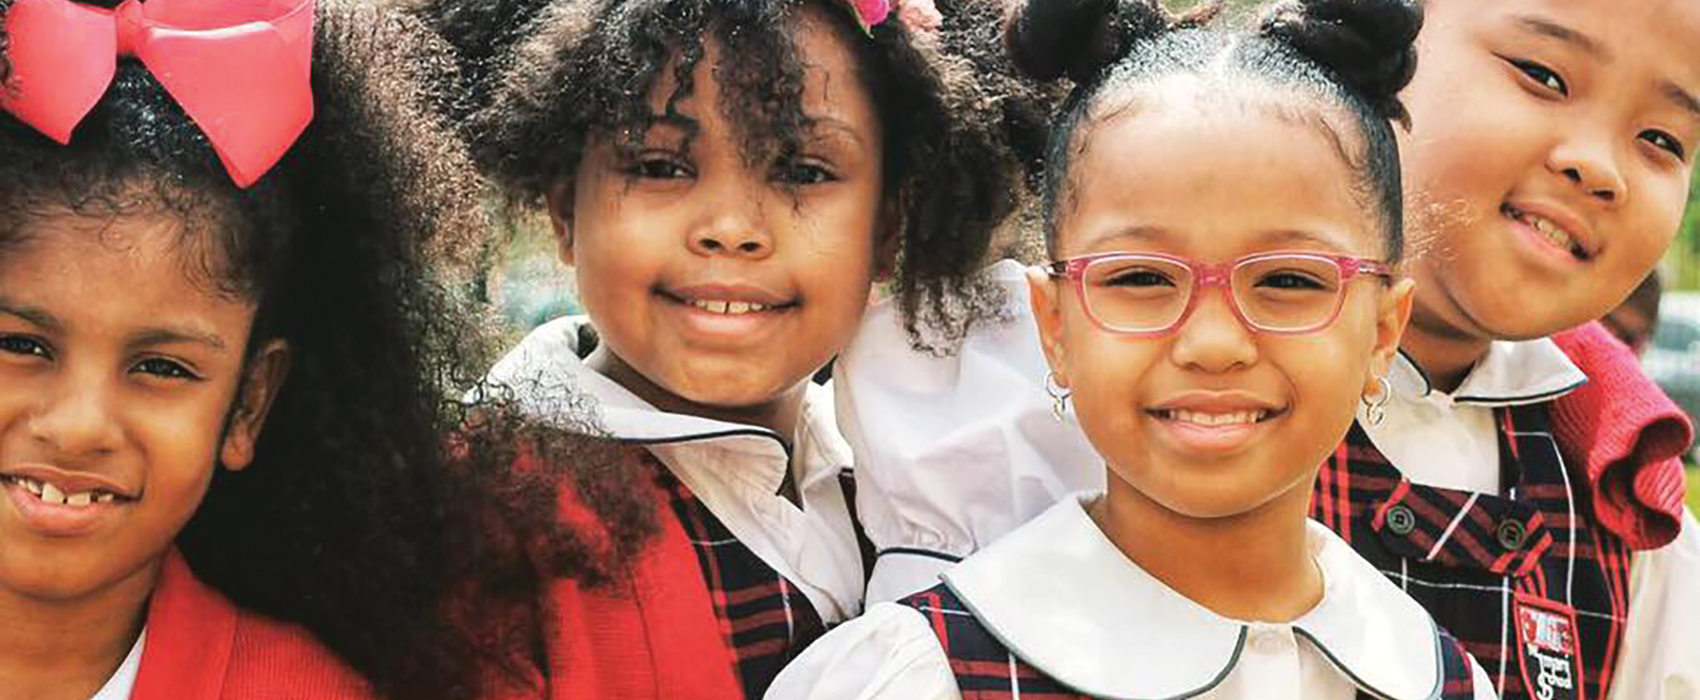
(766, 620)
(1467, 556)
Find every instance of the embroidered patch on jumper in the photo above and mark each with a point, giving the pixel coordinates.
(1550, 650)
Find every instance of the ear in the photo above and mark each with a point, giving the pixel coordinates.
(1393, 313)
(559, 199)
(1044, 294)
(266, 374)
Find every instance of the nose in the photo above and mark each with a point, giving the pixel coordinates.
(1213, 339)
(75, 419)
(1591, 164)
(733, 226)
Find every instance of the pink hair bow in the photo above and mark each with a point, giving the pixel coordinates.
(919, 15)
(241, 69)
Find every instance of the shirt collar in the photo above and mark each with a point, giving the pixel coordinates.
(545, 374)
(1513, 373)
(1060, 595)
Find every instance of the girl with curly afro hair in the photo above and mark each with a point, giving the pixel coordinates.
(731, 180)
(228, 382)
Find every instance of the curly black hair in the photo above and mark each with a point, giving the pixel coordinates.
(1321, 57)
(545, 76)
(381, 501)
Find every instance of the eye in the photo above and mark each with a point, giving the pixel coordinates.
(1138, 277)
(656, 166)
(164, 369)
(1542, 75)
(1665, 141)
(1291, 280)
(23, 345)
(802, 172)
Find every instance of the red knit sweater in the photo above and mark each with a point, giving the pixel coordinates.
(651, 635)
(202, 647)
(1627, 435)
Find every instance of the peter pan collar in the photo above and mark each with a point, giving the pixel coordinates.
(1061, 597)
(1513, 373)
(547, 377)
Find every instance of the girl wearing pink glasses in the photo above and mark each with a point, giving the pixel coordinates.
(1223, 211)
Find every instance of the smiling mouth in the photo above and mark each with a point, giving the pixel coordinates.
(726, 307)
(1549, 230)
(1215, 420)
(52, 495)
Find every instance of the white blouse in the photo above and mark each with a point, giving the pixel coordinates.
(736, 470)
(123, 680)
(986, 455)
(1066, 601)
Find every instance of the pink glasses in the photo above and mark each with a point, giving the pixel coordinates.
(1152, 294)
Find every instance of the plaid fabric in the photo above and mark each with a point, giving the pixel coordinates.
(767, 622)
(986, 670)
(1467, 557)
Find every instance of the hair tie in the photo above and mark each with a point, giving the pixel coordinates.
(241, 69)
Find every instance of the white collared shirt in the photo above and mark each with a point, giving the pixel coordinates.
(123, 680)
(1448, 439)
(985, 455)
(1066, 601)
(735, 470)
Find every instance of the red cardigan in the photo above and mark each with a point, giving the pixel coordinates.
(202, 647)
(1627, 436)
(651, 635)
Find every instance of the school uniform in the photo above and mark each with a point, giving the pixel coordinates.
(197, 645)
(1513, 561)
(936, 485)
(774, 573)
(1055, 610)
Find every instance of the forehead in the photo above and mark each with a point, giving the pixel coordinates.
(1221, 179)
(119, 271)
(723, 84)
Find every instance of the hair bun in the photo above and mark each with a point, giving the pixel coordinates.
(1050, 39)
(1369, 44)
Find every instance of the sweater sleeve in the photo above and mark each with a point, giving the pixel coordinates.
(889, 653)
(1628, 436)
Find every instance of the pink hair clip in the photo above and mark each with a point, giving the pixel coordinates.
(241, 69)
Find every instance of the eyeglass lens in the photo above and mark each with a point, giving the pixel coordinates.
(1281, 293)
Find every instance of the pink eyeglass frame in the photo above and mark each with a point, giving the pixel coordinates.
(1207, 275)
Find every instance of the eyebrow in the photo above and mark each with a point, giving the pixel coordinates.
(30, 314)
(1548, 28)
(1270, 237)
(175, 335)
(835, 124)
(1680, 97)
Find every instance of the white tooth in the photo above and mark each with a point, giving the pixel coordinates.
(737, 307)
(103, 498)
(718, 307)
(52, 494)
(32, 486)
(79, 499)
(757, 307)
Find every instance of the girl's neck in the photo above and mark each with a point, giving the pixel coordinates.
(1254, 566)
(1444, 352)
(780, 414)
(67, 650)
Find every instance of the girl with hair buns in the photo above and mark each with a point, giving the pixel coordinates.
(1216, 321)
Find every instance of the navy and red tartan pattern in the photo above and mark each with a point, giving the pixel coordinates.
(766, 620)
(1467, 557)
(986, 670)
